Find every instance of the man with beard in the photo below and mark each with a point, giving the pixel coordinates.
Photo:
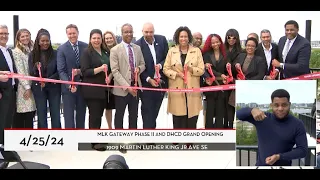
(278, 132)
(154, 49)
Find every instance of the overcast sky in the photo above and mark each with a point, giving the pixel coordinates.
(254, 91)
(165, 22)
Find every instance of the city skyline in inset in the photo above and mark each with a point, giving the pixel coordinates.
(259, 91)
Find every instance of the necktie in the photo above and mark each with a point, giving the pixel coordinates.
(131, 62)
(76, 51)
(286, 50)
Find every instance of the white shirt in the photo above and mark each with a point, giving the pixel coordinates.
(267, 54)
(127, 50)
(8, 59)
(154, 55)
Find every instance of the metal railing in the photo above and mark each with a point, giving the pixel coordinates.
(247, 156)
(313, 70)
(309, 124)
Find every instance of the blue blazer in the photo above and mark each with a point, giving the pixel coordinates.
(66, 61)
(161, 48)
(298, 57)
(51, 72)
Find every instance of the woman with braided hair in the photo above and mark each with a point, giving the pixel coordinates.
(44, 58)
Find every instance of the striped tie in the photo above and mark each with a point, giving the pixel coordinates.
(76, 51)
(131, 62)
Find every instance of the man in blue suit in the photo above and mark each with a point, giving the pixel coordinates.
(294, 52)
(154, 49)
(69, 55)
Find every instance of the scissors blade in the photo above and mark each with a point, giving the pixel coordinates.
(218, 84)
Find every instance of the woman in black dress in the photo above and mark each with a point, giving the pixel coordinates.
(109, 41)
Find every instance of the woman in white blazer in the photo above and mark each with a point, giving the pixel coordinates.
(26, 107)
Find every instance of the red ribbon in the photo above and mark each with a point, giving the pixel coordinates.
(157, 69)
(136, 80)
(273, 73)
(240, 74)
(106, 72)
(203, 89)
(40, 74)
(39, 69)
(72, 77)
(213, 77)
(229, 77)
(185, 74)
(306, 77)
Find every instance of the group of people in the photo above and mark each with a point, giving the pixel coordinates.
(148, 62)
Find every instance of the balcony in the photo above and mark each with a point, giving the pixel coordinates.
(247, 156)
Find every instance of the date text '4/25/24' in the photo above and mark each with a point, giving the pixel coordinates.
(42, 141)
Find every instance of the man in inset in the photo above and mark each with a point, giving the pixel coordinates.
(278, 132)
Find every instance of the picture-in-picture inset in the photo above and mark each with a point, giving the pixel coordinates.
(275, 126)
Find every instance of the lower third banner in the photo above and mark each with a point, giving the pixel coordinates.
(162, 146)
(68, 140)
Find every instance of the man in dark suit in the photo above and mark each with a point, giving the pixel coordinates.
(294, 52)
(154, 49)
(69, 55)
(268, 51)
(7, 88)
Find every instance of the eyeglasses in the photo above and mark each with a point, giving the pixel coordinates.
(231, 37)
(4, 34)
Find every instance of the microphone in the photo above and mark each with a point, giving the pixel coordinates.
(115, 162)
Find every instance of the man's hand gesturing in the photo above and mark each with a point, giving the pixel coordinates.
(257, 114)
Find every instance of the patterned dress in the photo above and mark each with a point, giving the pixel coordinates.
(21, 62)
